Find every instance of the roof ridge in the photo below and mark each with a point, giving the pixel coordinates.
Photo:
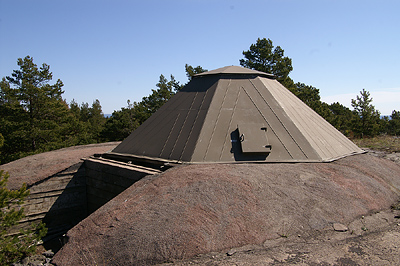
(235, 70)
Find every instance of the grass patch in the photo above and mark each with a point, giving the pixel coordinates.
(382, 143)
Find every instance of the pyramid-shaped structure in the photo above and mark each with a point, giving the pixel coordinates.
(234, 114)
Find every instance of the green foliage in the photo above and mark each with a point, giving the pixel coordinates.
(367, 119)
(96, 120)
(9, 216)
(393, 126)
(124, 121)
(308, 94)
(34, 118)
(33, 113)
(363, 121)
(121, 123)
(30, 88)
(150, 104)
(86, 123)
(15, 246)
(1, 142)
(336, 114)
(191, 71)
(263, 56)
(341, 118)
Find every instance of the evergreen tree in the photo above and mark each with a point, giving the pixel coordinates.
(77, 131)
(121, 123)
(74, 108)
(341, 118)
(84, 113)
(367, 119)
(13, 125)
(96, 121)
(394, 123)
(86, 123)
(308, 94)
(191, 71)
(263, 56)
(33, 116)
(1, 141)
(42, 101)
(150, 104)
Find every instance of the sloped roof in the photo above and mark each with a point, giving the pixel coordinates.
(236, 70)
(234, 114)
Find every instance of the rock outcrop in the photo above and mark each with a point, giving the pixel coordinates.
(195, 209)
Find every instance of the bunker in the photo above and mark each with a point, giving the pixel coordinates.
(224, 123)
(235, 114)
(227, 115)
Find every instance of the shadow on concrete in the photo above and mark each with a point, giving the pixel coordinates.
(67, 191)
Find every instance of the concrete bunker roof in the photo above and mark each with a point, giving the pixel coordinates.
(235, 70)
(234, 114)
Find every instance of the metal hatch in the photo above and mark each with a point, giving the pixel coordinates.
(253, 138)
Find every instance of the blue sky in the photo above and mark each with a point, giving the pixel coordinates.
(116, 50)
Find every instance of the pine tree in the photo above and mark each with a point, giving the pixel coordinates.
(394, 123)
(191, 71)
(150, 104)
(367, 119)
(33, 116)
(263, 56)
